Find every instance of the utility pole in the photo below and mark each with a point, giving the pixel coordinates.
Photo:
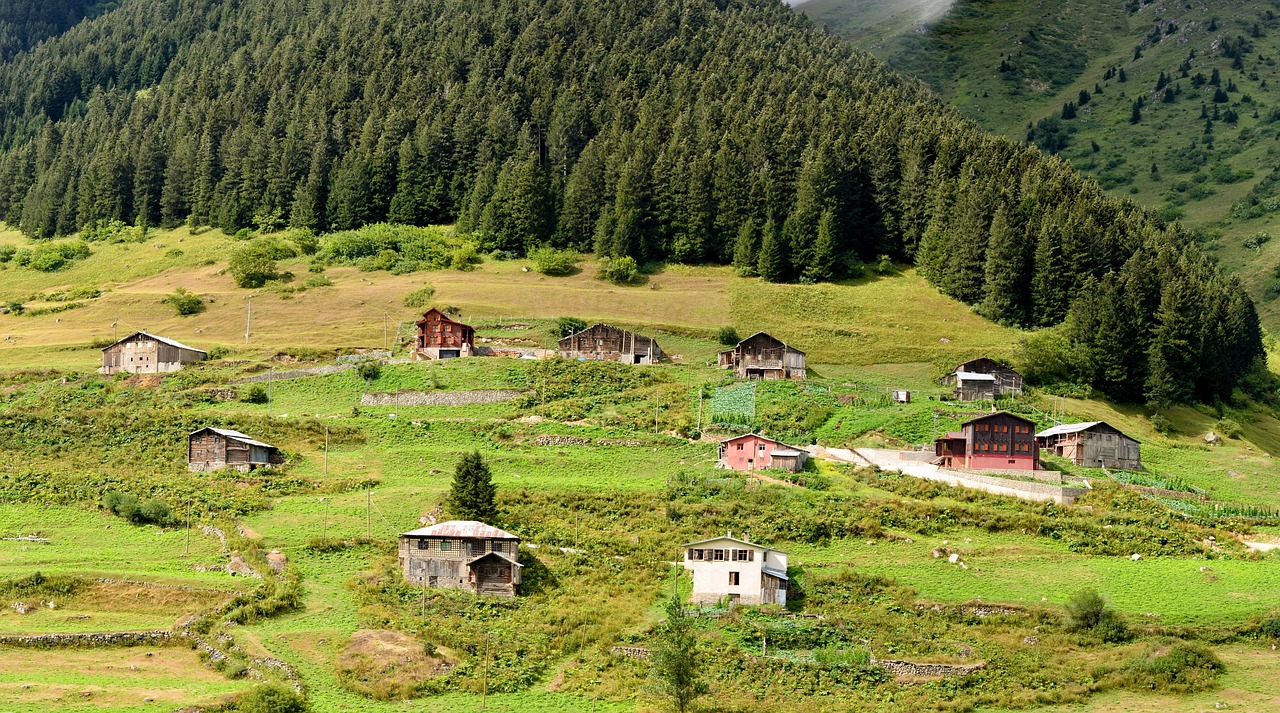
(368, 513)
(385, 341)
(326, 449)
(699, 410)
(248, 322)
(187, 549)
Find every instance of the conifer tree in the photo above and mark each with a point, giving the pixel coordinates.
(746, 250)
(772, 263)
(676, 662)
(472, 494)
(826, 249)
(1005, 273)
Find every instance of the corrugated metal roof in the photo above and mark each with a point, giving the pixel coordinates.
(731, 539)
(974, 376)
(786, 346)
(236, 435)
(164, 340)
(775, 573)
(1078, 427)
(786, 454)
(463, 529)
(998, 413)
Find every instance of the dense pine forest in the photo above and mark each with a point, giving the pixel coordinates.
(726, 131)
(24, 23)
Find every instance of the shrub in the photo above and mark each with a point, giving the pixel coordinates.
(1228, 428)
(219, 352)
(243, 234)
(619, 270)
(550, 261)
(317, 281)
(53, 257)
(369, 370)
(6, 253)
(420, 298)
(565, 326)
(184, 302)
(139, 512)
(271, 698)
(1088, 611)
(254, 394)
(1181, 668)
(305, 240)
(252, 266)
(728, 336)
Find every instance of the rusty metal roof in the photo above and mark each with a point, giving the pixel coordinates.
(234, 434)
(163, 340)
(465, 529)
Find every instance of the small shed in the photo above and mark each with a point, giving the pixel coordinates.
(440, 337)
(1092, 444)
(983, 379)
(211, 449)
(761, 356)
(752, 451)
(143, 353)
(462, 554)
(901, 396)
(602, 342)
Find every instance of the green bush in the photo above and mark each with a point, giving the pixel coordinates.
(565, 326)
(6, 253)
(317, 281)
(139, 512)
(254, 394)
(271, 698)
(619, 270)
(184, 303)
(369, 370)
(1088, 611)
(420, 298)
(305, 240)
(832, 656)
(1180, 668)
(549, 261)
(253, 265)
(1228, 428)
(728, 336)
(51, 257)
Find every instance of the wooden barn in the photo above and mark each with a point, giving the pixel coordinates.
(997, 441)
(462, 554)
(605, 343)
(1093, 445)
(212, 449)
(983, 379)
(751, 451)
(761, 356)
(442, 338)
(142, 353)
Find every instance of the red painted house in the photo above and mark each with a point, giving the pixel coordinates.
(442, 338)
(998, 441)
(755, 452)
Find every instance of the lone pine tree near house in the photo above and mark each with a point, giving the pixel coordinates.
(142, 353)
(462, 554)
(603, 342)
(211, 449)
(472, 493)
(742, 572)
(761, 356)
(752, 451)
(442, 338)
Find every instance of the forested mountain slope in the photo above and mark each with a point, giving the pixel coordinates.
(1067, 76)
(24, 23)
(679, 130)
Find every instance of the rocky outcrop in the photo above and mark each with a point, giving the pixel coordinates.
(631, 652)
(441, 398)
(925, 670)
(548, 439)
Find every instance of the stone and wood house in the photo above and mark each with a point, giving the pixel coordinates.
(752, 451)
(761, 356)
(1094, 444)
(462, 554)
(603, 342)
(211, 449)
(996, 441)
(143, 353)
(440, 337)
(737, 571)
(983, 379)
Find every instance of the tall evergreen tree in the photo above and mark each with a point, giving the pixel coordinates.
(472, 494)
(772, 263)
(1005, 273)
(746, 249)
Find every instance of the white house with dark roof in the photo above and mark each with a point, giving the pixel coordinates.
(462, 554)
(143, 353)
(736, 570)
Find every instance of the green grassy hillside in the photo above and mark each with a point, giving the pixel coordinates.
(603, 473)
(1012, 66)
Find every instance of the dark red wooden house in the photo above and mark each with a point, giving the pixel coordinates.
(442, 338)
(997, 441)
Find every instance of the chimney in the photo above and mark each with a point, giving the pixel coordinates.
(746, 537)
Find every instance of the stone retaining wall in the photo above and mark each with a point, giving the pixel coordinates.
(120, 638)
(441, 398)
(930, 670)
(296, 373)
(631, 652)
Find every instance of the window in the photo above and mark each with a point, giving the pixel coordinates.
(719, 555)
(743, 555)
(733, 579)
(739, 446)
(762, 448)
(424, 544)
(445, 545)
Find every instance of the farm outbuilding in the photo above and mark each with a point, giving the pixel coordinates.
(1093, 444)
(462, 554)
(997, 441)
(761, 356)
(737, 571)
(143, 353)
(603, 342)
(983, 379)
(211, 449)
(440, 337)
(752, 451)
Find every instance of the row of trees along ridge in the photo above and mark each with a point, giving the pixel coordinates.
(725, 131)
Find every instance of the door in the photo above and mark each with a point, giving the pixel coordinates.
(450, 353)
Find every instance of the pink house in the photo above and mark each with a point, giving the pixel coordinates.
(755, 452)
